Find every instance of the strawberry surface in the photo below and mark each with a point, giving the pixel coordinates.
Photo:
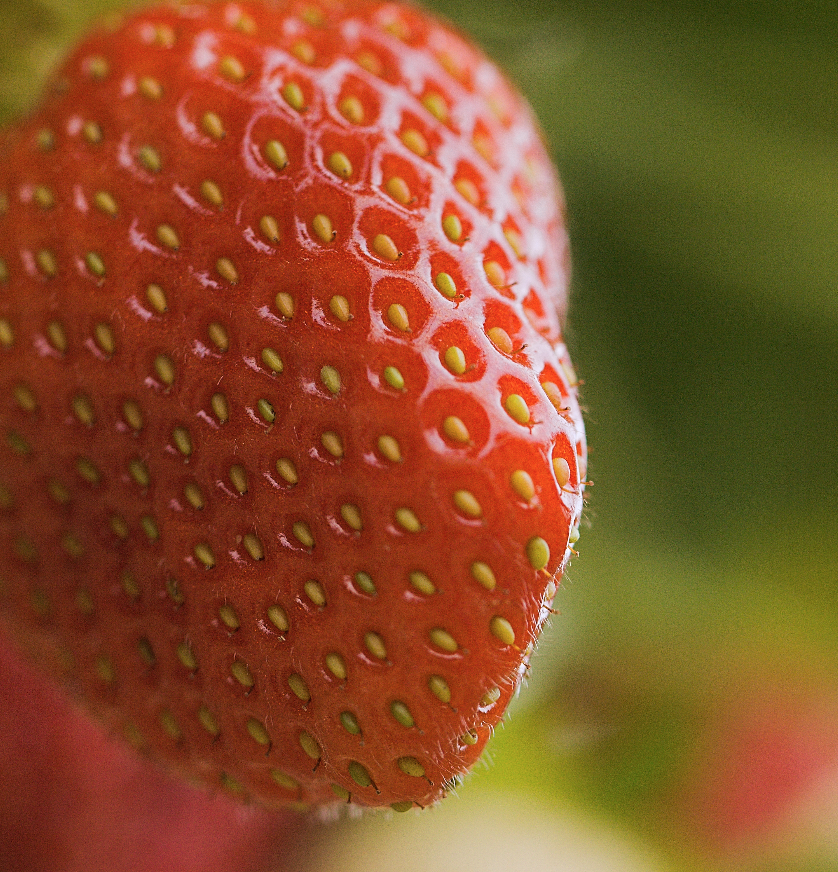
(291, 458)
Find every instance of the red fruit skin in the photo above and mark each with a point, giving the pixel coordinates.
(74, 800)
(110, 572)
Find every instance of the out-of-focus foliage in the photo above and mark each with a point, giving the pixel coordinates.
(687, 691)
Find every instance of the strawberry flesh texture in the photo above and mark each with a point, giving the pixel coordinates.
(114, 581)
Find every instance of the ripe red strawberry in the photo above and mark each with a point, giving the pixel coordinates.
(291, 455)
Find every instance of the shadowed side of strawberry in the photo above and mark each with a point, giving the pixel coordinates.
(73, 800)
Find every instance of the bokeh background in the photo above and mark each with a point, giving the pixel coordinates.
(682, 712)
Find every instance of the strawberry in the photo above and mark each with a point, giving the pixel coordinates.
(291, 459)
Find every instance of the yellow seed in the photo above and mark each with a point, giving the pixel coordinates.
(105, 670)
(119, 526)
(231, 68)
(139, 472)
(59, 492)
(393, 378)
(407, 520)
(573, 538)
(43, 197)
(229, 617)
(553, 393)
(149, 157)
(130, 586)
(279, 618)
(299, 687)
(253, 546)
(227, 782)
(92, 132)
(466, 502)
(150, 88)
(455, 360)
(335, 664)
(97, 67)
(397, 188)
(302, 533)
(272, 360)
(352, 109)
(220, 408)
(468, 190)
(266, 410)
(375, 645)
(515, 242)
(227, 270)
(502, 630)
(207, 721)
(369, 62)
(331, 379)
(269, 227)
(45, 141)
(483, 575)
(332, 443)
(146, 652)
(303, 51)
(212, 193)
(95, 263)
(322, 227)
(293, 96)
(439, 688)
(182, 440)
(72, 545)
(212, 125)
(385, 248)
(242, 674)
(411, 766)
(340, 164)
(388, 446)
(165, 369)
(187, 656)
(83, 410)
(490, 697)
(258, 732)
(339, 307)
(170, 725)
(46, 262)
(500, 339)
(452, 227)
(7, 334)
(365, 584)
(350, 723)
(238, 476)
(4, 271)
(436, 105)
(25, 398)
(84, 602)
(359, 774)
(245, 24)
(285, 305)
(561, 468)
(495, 274)
(314, 591)
(470, 737)
(287, 471)
(517, 408)
(275, 154)
(422, 583)
(88, 471)
(445, 285)
(538, 553)
(104, 338)
(454, 428)
(416, 142)
(157, 298)
(522, 483)
(218, 336)
(284, 780)
(401, 713)
(204, 554)
(443, 639)
(398, 317)
(132, 414)
(352, 516)
(310, 746)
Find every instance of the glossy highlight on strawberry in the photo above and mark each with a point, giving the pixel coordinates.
(292, 460)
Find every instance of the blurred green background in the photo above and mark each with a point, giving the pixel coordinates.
(683, 708)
